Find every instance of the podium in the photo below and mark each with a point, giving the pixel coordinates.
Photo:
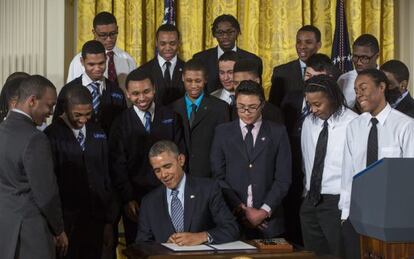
(382, 208)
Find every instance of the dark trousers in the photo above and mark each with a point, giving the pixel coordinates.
(351, 241)
(321, 226)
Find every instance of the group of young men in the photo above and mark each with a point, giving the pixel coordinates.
(191, 152)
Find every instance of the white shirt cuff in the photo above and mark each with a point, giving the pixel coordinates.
(266, 208)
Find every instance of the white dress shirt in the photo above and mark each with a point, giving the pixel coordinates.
(86, 80)
(332, 171)
(163, 66)
(220, 51)
(347, 83)
(124, 64)
(225, 95)
(395, 139)
(141, 114)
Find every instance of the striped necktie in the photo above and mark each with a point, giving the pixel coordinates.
(96, 97)
(177, 212)
(81, 140)
(147, 121)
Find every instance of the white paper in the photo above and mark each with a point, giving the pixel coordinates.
(237, 245)
(177, 248)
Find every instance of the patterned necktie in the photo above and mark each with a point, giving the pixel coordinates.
(318, 165)
(96, 97)
(192, 114)
(248, 140)
(167, 74)
(372, 147)
(147, 121)
(111, 68)
(177, 212)
(81, 140)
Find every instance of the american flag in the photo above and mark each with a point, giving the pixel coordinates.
(341, 51)
(169, 12)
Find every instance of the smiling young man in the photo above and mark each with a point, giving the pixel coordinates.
(380, 131)
(166, 68)
(108, 100)
(225, 29)
(186, 210)
(250, 157)
(226, 65)
(201, 113)
(80, 155)
(119, 62)
(132, 135)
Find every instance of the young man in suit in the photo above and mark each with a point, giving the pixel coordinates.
(225, 29)
(166, 68)
(108, 99)
(287, 93)
(323, 141)
(118, 64)
(31, 215)
(397, 95)
(250, 157)
(245, 69)
(132, 135)
(380, 131)
(201, 113)
(226, 64)
(80, 155)
(186, 210)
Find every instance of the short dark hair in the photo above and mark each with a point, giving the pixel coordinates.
(225, 18)
(9, 91)
(195, 64)
(314, 29)
(326, 84)
(76, 95)
(376, 75)
(228, 56)
(92, 47)
(138, 75)
(103, 18)
(163, 146)
(322, 63)
(18, 74)
(33, 85)
(250, 87)
(397, 68)
(247, 65)
(367, 40)
(167, 27)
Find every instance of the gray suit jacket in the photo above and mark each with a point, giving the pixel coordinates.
(30, 211)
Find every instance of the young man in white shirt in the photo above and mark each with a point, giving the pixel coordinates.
(226, 64)
(322, 140)
(380, 131)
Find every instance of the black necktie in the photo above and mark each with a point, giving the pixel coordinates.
(192, 114)
(318, 165)
(233, 100)
(167, 75)
(372, 147)
(248, 140)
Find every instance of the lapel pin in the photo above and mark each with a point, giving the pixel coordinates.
(192, 196)
(264, 138)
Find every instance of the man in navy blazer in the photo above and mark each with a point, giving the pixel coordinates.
(225, 29)
(196, 214)
(251, 159)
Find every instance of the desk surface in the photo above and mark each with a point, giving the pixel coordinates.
(157, 251)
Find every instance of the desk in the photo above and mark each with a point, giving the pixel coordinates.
(157, 251)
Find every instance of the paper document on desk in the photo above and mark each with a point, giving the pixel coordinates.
(237, 245)
(177, 248)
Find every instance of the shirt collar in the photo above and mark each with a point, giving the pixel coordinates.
(196, 102)
(142, 113)
(400, 99)
(382, 116)
(302, 64)
(220, 51)
(180, 187)
(75, 131)
(116, 50)
(162, 61)
(86, 80)
(22, 112)
(226, 94)
(257, 124)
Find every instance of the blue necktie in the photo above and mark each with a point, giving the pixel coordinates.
(177, 212)
(147, 122)
(81, 140)
(96, 97)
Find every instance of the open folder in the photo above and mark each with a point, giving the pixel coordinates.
(237, 245)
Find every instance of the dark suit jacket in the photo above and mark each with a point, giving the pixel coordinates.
(210, 60)
(204, 210)
(129, 144)
(269, 112)
(112, 103)
(82, 176)
(212, 112)
(406, 106)
(165, 95)
(268, 171)
(30, 206)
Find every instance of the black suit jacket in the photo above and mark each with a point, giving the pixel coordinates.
(212, 112)
(112, 103)
(210, 60)
(204, 210)
(82, 176)
(269, 112)
(268, 170)
(129, 144)
(165, 95)
(406, 106)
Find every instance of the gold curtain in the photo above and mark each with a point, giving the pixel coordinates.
(268, 26)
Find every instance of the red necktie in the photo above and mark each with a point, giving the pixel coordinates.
(111, 68)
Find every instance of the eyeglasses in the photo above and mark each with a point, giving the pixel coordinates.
(249, 109)
(364, 59)
(222, 33)
(104, 36)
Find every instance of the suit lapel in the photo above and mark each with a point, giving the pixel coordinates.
(237, 139)
(177, 72)
(164, 215)
(137, 121)
(202, 111)
(261, 141)
(189, 202)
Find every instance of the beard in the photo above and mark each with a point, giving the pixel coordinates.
(392, 95)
